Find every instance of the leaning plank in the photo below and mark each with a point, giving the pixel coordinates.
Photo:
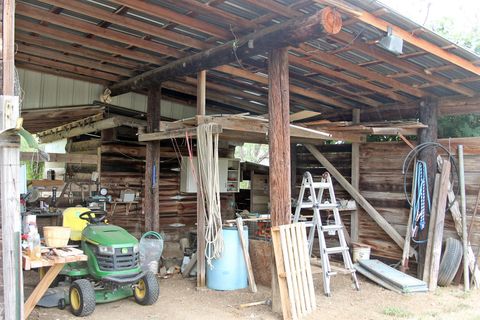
(282, 281)
(433, 211)
(246, 256)
(289, 260)
(302, 233)
(376, 216)
(457, 219)
(438, 226)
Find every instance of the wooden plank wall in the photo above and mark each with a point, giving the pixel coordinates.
(381, 183)
(123, 168)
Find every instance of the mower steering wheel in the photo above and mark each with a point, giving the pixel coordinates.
(99, 217)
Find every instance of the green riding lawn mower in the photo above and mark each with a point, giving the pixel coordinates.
(112, 271)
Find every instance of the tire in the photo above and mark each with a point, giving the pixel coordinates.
(82, 298)
(146, 291)
(451, 260)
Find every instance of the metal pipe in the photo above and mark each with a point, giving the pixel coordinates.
(461, 168)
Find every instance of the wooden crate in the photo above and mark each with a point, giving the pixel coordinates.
(294, 271)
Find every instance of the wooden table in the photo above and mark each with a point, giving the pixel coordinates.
(56, 263)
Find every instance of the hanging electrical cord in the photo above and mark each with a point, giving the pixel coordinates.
(407, 162)
(421, 202)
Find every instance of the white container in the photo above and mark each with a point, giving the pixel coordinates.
(361, 252)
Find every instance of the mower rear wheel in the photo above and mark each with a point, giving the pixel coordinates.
(82, 298)
(146, 290)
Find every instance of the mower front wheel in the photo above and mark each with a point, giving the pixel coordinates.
(82, 298)
(146, 290)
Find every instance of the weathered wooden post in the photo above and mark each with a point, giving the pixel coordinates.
(152, 165)
(12, 296)
(428, 114)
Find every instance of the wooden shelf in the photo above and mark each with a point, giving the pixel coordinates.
(48, 260)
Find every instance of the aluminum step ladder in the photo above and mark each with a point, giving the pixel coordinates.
(316, 202)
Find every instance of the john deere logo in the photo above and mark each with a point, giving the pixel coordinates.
(124, 250)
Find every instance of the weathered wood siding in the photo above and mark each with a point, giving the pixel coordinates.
(381, 183)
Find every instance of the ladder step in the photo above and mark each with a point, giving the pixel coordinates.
(321, 185)
(334, 250)
(321, 206)
(331, 227)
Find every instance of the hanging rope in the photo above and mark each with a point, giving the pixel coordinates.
(208, 176)
(421, 204)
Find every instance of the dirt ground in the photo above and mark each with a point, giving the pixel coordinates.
(179, 299)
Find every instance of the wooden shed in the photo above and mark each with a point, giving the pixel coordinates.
(116, 77)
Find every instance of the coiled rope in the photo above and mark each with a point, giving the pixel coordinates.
(208, 176)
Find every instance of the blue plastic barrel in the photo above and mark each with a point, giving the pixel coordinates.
(229, 272)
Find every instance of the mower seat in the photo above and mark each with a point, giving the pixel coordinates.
(71, 220)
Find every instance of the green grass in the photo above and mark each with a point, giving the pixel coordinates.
(396, 312)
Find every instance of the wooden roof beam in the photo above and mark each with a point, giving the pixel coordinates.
(210, 10)
(66, 67)
(216, 97)
(293, 89)
(381, 24)
(284, 34)
(68, 48)
(175, 17)
(86, 42)
(364, 72)
(71, 59)
(127, 22)
(375, 52)
(89, 28)
(60, 73)
(343, 76)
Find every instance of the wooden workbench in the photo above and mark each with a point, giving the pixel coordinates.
(56, 263)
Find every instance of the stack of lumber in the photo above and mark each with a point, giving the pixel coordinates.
(389, 277)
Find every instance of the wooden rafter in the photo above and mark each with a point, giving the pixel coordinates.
(73, 59)
(66, 67)
(289, 32)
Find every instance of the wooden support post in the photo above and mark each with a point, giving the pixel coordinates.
(201, 109)
(279, 150)
(12, 287)
(355, 175)
(428, 115)
(152, 165)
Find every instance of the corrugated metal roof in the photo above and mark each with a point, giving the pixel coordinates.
(251, 13)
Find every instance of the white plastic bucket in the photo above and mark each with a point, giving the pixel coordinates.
(361, 252)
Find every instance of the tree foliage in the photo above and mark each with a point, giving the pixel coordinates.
(459, 125)
(253, 152)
